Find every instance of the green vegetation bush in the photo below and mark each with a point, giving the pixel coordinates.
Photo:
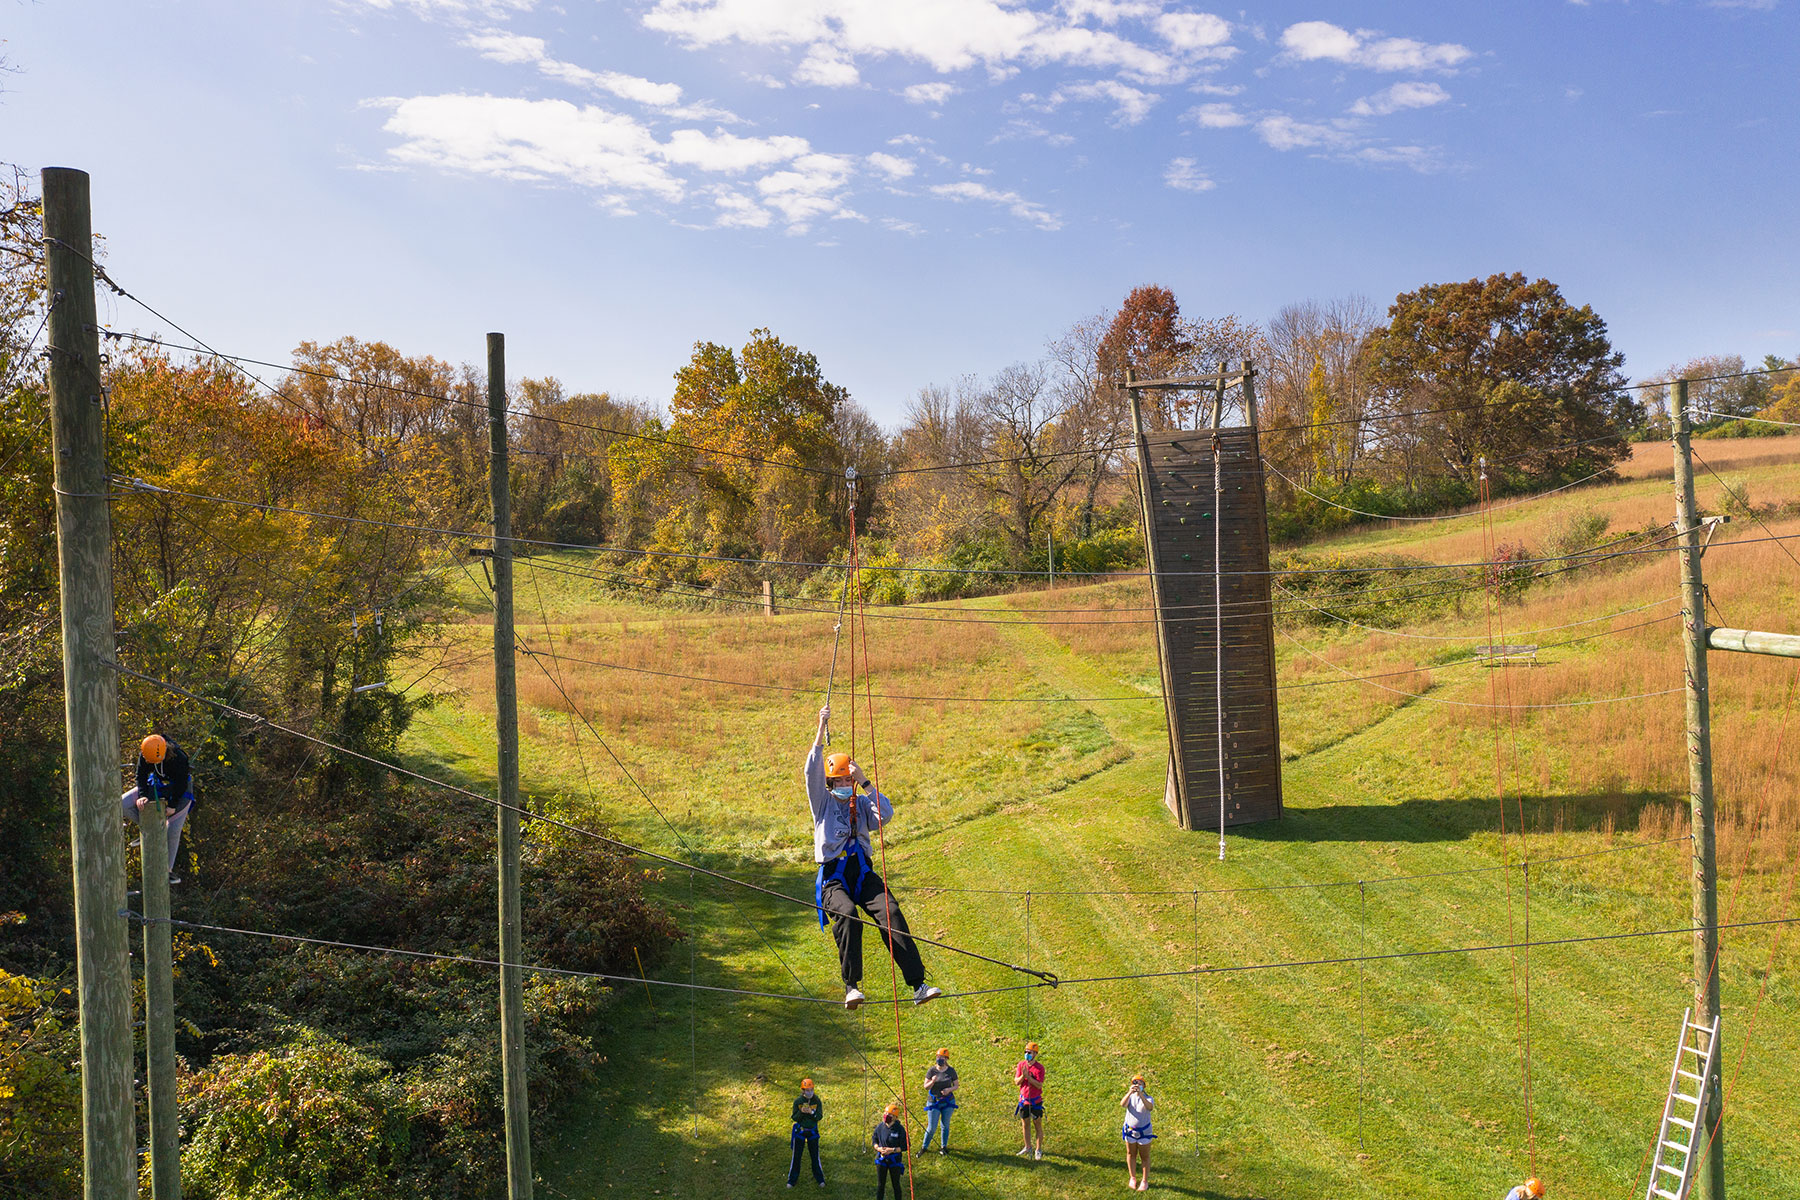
(40, 1087)
(314, 1119)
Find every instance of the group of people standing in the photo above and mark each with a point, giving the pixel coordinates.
(890, 1140)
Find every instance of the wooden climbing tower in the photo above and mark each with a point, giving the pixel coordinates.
(1215, 633)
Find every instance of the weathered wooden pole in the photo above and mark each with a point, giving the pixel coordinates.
(1710, 1183)
(159, 1004)
(1754, 641)
(506, 709)
(90, 692)
(768, 591)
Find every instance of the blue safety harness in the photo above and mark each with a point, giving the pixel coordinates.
(833, 871)
(804, 1133)
(889, 1158)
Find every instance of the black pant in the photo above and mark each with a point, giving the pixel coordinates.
(812, 1145)
(897, 1172)
(865, 888)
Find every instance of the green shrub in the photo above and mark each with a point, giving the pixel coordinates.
(312, 1120)
(40, 1089)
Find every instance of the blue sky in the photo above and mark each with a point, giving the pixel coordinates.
(912, 189)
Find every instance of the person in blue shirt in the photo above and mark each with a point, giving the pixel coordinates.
(845, 806)
(162, 774)
(1139, 1107)
(1531, 1189)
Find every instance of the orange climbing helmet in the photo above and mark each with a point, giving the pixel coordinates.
(154, 748)
(806, 1085)
(892, 1110)
(943, 1053)
(837, 766)
(1031, 1048)
(1534, 1188)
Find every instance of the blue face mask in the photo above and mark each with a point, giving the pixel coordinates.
(844, 792)
(1029, 1056)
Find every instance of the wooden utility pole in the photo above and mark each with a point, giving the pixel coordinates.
(768, 590)
(159, 1004)
(1710, 1183)
(90, 692)
(506, 708)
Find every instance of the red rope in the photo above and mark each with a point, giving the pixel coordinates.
(1521, 1002)
(861, 619)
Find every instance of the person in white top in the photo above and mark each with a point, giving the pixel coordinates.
(1138, 1105)
(1531, 1189)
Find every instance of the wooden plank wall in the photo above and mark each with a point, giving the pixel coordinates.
(1176, 473)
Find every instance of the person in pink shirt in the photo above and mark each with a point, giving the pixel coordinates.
(1029, 1075)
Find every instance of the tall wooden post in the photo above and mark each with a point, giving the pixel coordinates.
(90, 693)
(159, 1005)
(768, 591)
(506, 710)
(1710, 1184)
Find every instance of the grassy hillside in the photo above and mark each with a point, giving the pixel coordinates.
(1402, 1076)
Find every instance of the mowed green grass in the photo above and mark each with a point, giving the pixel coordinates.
(1399, 1076)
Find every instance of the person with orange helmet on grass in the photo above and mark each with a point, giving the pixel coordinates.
(940, 1099)
(162, 774)
(845, 806)
(890, 1144)
(1029, 1075)
(1531, 1189)
(808, 1109)
(1139, 1108)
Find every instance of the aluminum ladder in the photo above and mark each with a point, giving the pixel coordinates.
(1677, 1153)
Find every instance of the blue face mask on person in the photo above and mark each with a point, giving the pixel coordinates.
(844, 792)
(1030, 1056)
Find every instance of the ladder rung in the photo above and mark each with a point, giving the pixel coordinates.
(1693, 1100)
(1678, 1146)
(1687, 1125)
(1670, 1170)
(1666, 1195)
(1690, 1074)
(1694, 1051)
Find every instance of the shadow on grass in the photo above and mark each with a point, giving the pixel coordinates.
(1420, 820)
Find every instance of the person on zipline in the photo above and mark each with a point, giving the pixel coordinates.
(1138, 1106)
(845, 806)
(1029, 1075)
(1531, 1189)
(890, 1151)
(162, 774)
(940, 1100)
(808, 1108)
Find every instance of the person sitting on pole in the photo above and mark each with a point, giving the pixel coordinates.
(162, 774)
(808, 1109)
(845, 806)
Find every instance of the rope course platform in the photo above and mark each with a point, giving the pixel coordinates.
(1206, 538)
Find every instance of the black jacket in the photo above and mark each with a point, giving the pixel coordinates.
(169, 780)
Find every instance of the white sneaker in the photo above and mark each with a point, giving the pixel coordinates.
(1025, 1153)
(853, 999)
(925, 992)
(1037, 1154)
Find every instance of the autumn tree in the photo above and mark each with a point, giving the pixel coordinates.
(1506, 369)
(750, 464)
(1314, 390)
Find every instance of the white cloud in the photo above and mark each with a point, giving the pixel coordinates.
(891, 165)
(518, 50)
(908, 139)
(1110, 12)
(929, 93)
(1217, 116)
(826, 66)
(1017, 205)
(1130, 105)
(453, 8)
(532, 140)
(947, 35)
(810, 189)
(1398, 97)
(1310, 41)
(738, 211)
(1185, 175)
(721, 151)
(1282, 132)
(1195, 32)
